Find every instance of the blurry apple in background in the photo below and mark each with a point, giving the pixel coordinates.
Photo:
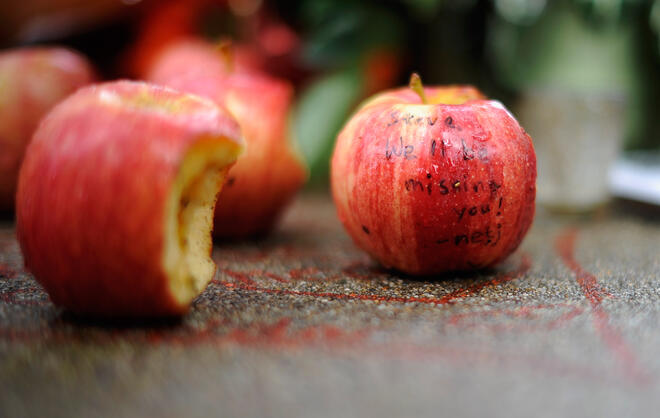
(434, 179)
(267, 176)
(264, 43)
(207, 59)
(116, 195)
(32, 80)
(186, 56)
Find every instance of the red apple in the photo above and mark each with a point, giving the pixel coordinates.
(187, 56)
(192, 56)
(268, 175)
(116, 194)
(32, 80)
(433, 185)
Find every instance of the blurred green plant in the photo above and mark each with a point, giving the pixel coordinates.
(319, 115)
(563, 50)
(345, 42)
(580, 45)
(339, 38)
(339, 33)
(654, 19)
(502, 46)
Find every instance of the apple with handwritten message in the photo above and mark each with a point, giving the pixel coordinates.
(434, 179)
(266, 178)
(116, 195)
(32, 81)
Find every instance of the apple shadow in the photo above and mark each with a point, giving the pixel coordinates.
(87, 322)
(303, 239)
(374, 270)
(449, 276)
(266, 242)
(7, 216)
(638, 211)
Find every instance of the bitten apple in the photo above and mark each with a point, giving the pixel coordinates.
(32, 80)
(116, 195)
(434, 179)
(267, 176)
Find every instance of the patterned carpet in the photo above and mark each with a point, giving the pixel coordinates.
(304, 324)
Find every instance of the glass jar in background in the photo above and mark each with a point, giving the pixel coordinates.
(577, 137)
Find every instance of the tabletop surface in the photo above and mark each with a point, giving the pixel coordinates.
(303, 324)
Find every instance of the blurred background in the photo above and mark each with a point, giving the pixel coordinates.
(582, 76)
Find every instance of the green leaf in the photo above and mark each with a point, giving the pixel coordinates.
(321, 113)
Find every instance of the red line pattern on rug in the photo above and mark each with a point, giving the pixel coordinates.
(244, 282)
(594, 293)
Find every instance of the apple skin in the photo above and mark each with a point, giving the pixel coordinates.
(430, 188)
(190, 56)
(266, 178)
(193, 56)
(92, 193)
(32, 81)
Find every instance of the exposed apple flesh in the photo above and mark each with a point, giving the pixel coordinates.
(264, 180)
(116, 196)
(268, 175)
(190, 220)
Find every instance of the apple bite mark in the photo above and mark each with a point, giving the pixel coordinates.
(271, 171)
(116, 196)
(189, 218)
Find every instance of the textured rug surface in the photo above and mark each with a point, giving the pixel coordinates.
(303, 324)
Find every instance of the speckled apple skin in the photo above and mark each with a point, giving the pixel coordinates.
(92, 193)
(269, 174)
(32, 81)
(432, 188)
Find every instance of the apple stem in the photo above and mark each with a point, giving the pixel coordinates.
(226, 51)
(417, 86)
